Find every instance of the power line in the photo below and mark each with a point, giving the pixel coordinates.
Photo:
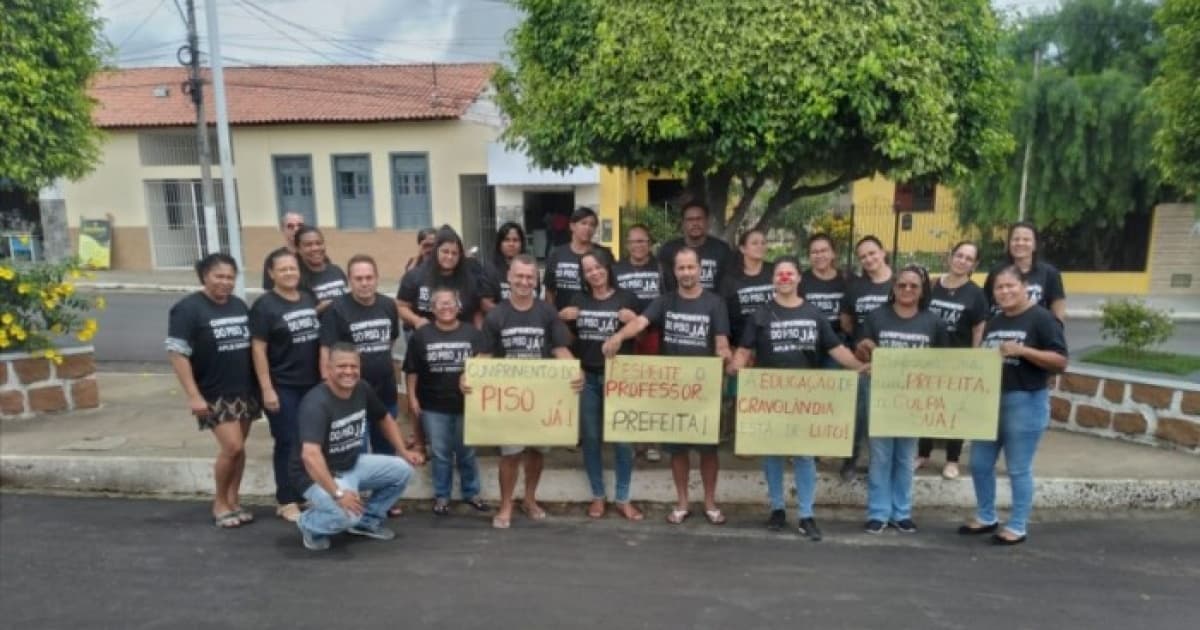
(137, 28)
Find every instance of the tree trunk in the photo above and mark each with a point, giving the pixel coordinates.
(713, 189)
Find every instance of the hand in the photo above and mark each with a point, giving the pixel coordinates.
(865, 370)
(731, 368)
(569, 313)
(413, 457)
(414, 410)
(270, 400)
(351, 502)
(1011, 349)
(198, 406)
(864, 350)
(322, 305)
(421, 321)
(610, 347)
(463, 386)
(577, 382)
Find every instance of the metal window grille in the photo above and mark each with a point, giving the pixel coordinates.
(175, 210)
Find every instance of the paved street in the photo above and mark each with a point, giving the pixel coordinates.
(95, 562)
(133, 327)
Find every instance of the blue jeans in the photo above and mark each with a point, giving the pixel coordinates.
(591, 422)
(889, 479)
(385, 476)
(1024, 416)
(445, 434)
(805, 470)
(285, 429)
(376, 442)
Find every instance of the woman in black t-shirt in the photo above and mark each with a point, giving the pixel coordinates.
(448, 267)
(319, 277)
(904, 322)
(598, 312)
(285, 345)
(1042, 280)
(208, 344)
(1033, 347)
(747, 285)
(510, 243)
(823, 285)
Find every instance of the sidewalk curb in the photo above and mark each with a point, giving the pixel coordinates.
(193, 476)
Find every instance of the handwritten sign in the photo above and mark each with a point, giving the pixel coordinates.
(935, 393)
(521, 402)
(796, 412)
(662, 399)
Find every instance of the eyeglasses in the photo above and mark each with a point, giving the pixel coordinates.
(293, 226)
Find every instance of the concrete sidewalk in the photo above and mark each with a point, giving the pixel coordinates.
(141, 441)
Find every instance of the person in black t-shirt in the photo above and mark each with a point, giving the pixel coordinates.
(323, 279)
(1032, 344)
(563, 278)
(448, 267)
(694, 323)
(523, 327)
(426, 238)
(208, 345)
(789, 332)
(1042, 279)
(864, 294)
(285, 344)
(368, 320)
(748, 283)
(715, 254)
(288, 225)
(823, 285)
(959, 302)
(598, 311)
(905, 322)
(510, 243)
(329, 467)
(433, 365)
(640, 273)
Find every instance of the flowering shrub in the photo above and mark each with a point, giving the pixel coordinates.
(39, 306)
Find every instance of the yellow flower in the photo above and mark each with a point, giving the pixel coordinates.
(19, 335)
(6, 319)
(6, 273)
(24, 288)
(3, 340)
(90, 324)
(75, 274)
(85, 335)
(65, 289)
(56, 328)
(100, 303)
(49, 304)
(53, 356)
(15, 329)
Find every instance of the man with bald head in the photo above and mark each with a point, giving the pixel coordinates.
(288, 225)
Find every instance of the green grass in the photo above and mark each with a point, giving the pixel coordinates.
(1165, 362)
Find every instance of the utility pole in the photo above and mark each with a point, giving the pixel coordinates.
(1037, 58)
(232, 222)
(195, 88)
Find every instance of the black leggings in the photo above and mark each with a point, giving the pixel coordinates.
(953, 449)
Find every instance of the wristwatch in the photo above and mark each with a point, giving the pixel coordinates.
(339, 494)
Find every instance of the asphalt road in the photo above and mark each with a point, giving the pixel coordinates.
(134, 325)
(117, 563)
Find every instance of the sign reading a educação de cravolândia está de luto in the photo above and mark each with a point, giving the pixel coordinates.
(521, 402)
(935, 393)
(662, 399)
(796, 412)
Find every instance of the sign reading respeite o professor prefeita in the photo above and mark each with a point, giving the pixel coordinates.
(935, 393)
(796, 412)
(662, 399)
(521, 402)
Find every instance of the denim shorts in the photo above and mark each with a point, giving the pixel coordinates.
(505, 451)
(703, 449)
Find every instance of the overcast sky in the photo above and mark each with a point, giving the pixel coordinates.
(285, 32)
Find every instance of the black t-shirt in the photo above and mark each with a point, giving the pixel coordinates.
(1036, 328)
(1043, 283)
(863, 297)
(643, 281)
(826, 295)
(715, 258)
(745, 294)
(437, 357)
(531, 334)
(292, 332)
(563, 274)
(338, 425)
(961, 309)
(689, 326)
(417, 286)
(371, 329)
(598, 320)
(889, 330)
(789, 337)
(216, 340)
(495, 283)
(326, 284)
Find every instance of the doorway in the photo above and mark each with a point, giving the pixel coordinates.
(546, 215)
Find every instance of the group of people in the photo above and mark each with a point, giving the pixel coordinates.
(315, 353)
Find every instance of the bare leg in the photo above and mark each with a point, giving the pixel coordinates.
(534, 462)
(709, 466)
(680, 465)
(508, 484)
(231, 456)
(239, 469)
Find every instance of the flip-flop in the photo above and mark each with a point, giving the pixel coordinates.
(478, 504)
(501, 523)
(593, 512)
(677, 516)
(629, 512)
(228, 520)
(536, 512)
(244, 516)
(714, 516)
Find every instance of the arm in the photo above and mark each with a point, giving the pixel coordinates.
(628, 331)
(410, 317)
(323, 359)
(1045, 359)
(846, 359)
(977, 334)
(626, 315)
(569, 314)
(391, 431)
(414, 405)
(549, 296)
(485, 305)
(258, 353)
(1059, 308)
(723, 350)
(183, 372)
(847, 322)
(577, 380)
(318, 471)
(741, 359)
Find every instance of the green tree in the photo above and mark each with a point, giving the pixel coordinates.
(1090, 174)
(806, 94)
(1176, 93)
(49, 49)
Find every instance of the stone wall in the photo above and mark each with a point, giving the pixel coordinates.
(1147, 410)
(32, 385)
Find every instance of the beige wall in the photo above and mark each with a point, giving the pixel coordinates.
(1174, 249)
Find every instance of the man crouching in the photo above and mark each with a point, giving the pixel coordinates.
(330, 467)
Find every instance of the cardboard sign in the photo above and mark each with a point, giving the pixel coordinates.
(521, 402)
(662, 399)
(935, 393)
(796, 412)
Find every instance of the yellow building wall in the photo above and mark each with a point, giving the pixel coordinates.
(625, 188)
(932, 231)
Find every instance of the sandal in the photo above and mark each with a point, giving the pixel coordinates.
(536, 512)
(244, 516)
(441, 507)
(972, 529)
(596, 509)
(678, 516)
(478, 504)
(950, 470)
(500, 523)
(395, 511)
(629, 512)
(228, 520)
(715, 516)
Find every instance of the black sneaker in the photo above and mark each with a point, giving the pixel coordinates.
(776, 520)
(808, 527)
(874, 527)
(313, 542)
(379, 532)
(906, 526)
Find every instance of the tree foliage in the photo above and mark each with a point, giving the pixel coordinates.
(1176, 93)
(49, 49)
(807, 94)
(1088, 116)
